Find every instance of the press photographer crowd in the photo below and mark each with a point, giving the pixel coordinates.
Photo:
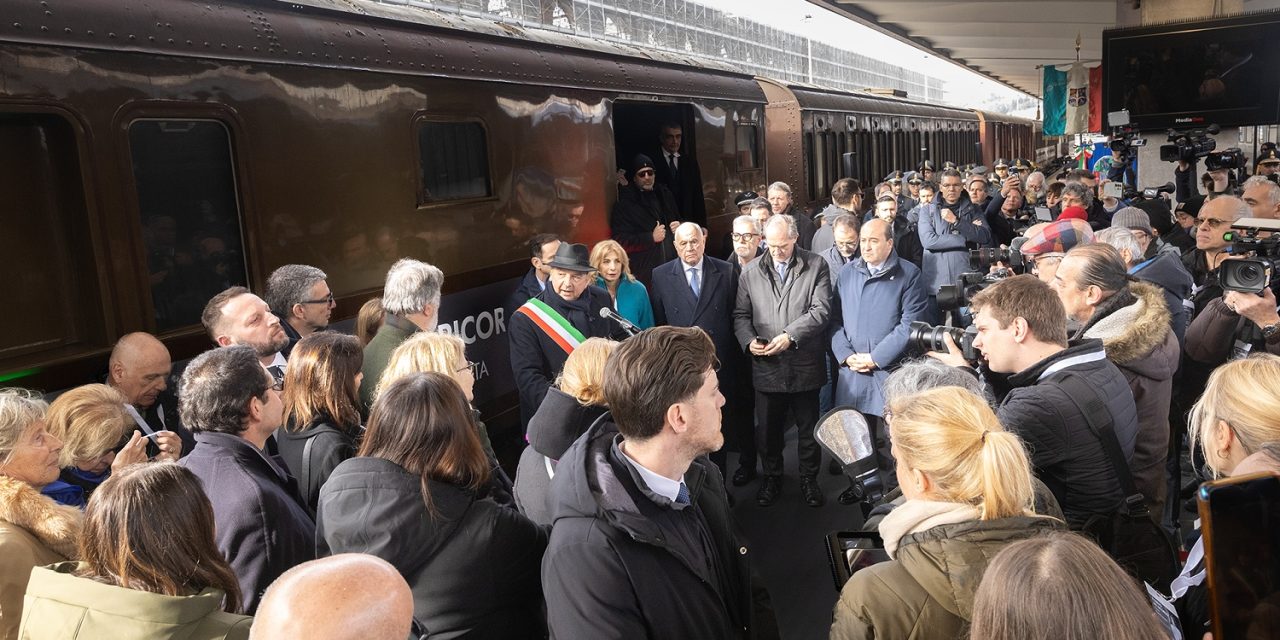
(1030, 378)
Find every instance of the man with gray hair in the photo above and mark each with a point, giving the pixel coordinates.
(746, 243)
(300, 297)
(780, 319)
(780, 199)
(1263, 197)
(411, 298)
(1035, 188)
(1164, 271)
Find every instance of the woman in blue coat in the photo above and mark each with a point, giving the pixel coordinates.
(630, 297)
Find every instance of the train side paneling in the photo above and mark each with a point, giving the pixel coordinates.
(143, 183)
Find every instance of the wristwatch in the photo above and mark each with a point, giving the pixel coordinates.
(1271, 332)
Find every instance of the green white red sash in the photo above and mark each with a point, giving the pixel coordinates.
(553, 324)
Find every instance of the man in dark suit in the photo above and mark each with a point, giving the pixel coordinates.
(697, 290)
(547, 328)
(542, 248)
(679, 173)
(139, 368)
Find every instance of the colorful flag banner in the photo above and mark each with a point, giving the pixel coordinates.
(1055, 101)
(1095, 100)
(1077, 100)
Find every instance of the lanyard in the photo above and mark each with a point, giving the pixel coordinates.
(137, 417)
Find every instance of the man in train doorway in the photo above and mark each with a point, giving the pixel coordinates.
(678, 171)
(547, 328)
(643, 219)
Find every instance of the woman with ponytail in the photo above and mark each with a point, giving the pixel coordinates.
(968, 490)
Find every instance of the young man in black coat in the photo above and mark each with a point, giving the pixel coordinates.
(544, 331)
(642, 544)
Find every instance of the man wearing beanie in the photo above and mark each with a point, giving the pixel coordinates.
(1167, 230)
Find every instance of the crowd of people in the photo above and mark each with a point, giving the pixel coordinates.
(300, 482)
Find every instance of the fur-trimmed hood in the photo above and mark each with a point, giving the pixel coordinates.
(1135, 334)
(54, 525)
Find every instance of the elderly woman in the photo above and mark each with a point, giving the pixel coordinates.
(576, 401)
(96, 439)
(413, 497)
(150, 568)
(446, 354)
(34, 530)
(613, 274)
(967, 484)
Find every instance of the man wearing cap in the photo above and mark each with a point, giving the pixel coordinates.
(896, 180)
(913, 180)
(947, 229)
(643, 219)
(1047, 243)
(926, 171)
(1268, 160)
(1002, 169)
(547, 328)
(743, 202)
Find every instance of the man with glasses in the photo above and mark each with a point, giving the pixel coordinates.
(948, 228)
(643, 219)
(746, 243)
(780, 319)
(299, 295)
(1047, 243)
(233, 406)
(547, 328)
(1212, 222)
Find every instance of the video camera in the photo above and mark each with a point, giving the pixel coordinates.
(1150, 193)
(1228, 159)
(1251, 275)
(1124, 144)
(927, 337)
(981, 275)
(1187, 146)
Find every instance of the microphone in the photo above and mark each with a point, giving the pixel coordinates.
(631, 329)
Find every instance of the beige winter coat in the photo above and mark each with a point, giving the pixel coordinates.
(34, 531)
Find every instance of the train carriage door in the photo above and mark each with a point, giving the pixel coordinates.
(641, 128)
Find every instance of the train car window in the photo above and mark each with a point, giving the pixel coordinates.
(748, 147)
(822, 141)
(45, 239)
(810, 163)
(455, 161)
(190, 213)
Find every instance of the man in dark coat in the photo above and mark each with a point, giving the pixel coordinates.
(139, 368)
(696, 290)
(542, 248)
(643, 218)
(546, 329)
(300, 296)
(642, 544)
(1022, 331)
(948, 228)
(233, 405)
(678, 172)
(780, 200)
(780, 319)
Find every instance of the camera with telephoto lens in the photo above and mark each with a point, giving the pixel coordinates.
(981, 260)
(1187, 146)
(927, 337)
(1124, 144)
(1256, 273)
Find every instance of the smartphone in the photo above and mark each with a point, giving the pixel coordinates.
(761, 341)
(1240, 524)
(852, 551)
(1113, 190)
(1044, 214)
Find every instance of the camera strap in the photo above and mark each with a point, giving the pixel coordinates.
(1095, 413)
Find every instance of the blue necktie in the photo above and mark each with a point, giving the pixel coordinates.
(694, 283)
(782, 272)
(682, 496)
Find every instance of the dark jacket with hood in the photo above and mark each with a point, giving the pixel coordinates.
(1133, 325)
(611, 573)
(559, 421)
(1064, 452)
(312, 454)
(472, 565)
(1166, 271)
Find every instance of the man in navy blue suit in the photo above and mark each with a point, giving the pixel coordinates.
(697, 290)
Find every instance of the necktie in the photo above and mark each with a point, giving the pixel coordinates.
(682, 496)
(782, 272)
(671, 162)
(277, 372)
(695, 283)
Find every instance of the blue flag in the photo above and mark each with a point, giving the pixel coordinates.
(1055, 101)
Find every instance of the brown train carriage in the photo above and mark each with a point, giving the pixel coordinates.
(1007, 137)
(153, 153)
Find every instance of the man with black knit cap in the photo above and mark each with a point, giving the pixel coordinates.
(644, 218)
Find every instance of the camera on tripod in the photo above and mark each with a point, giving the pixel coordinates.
(1251, 275)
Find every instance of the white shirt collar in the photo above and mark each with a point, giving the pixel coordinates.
(668, 154)
(661, 485)
(279, 361)
(687, 267)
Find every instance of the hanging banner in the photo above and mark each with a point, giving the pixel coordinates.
(1077, 100)
(1095, 100)
(1055, 101)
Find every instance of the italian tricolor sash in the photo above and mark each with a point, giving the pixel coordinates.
(553, 324)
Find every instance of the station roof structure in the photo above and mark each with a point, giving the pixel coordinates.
(1002, 39)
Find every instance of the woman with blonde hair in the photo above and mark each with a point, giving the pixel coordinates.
(576, 401)
(97, 437)
(321, 409)
(445, 353)
(613, 274)
(968, 490)
(1060, 586)
(34, 530)
(149, 567)
(1236, 424)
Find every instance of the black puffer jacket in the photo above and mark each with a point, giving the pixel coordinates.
(559, 421)
(610, 573)
(1064, 452)
(472, 566)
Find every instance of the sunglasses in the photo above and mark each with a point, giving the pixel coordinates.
(644, 174)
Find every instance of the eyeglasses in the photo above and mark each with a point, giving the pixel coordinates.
(742, 237)
(325, 300)
(1212, 223)
(278, 386)
(643, 174)
(473, 367)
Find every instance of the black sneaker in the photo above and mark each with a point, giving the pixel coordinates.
(811, 491)
(744, 475)
(769, 490)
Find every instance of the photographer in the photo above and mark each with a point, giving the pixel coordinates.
(1223, 183)
(1234, 326)
(1213, 221)
(947, 228)
(1005, 212)
(1022, 330)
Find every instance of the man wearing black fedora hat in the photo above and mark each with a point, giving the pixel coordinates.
(547, 328)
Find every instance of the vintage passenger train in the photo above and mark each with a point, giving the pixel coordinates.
(153, 153)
